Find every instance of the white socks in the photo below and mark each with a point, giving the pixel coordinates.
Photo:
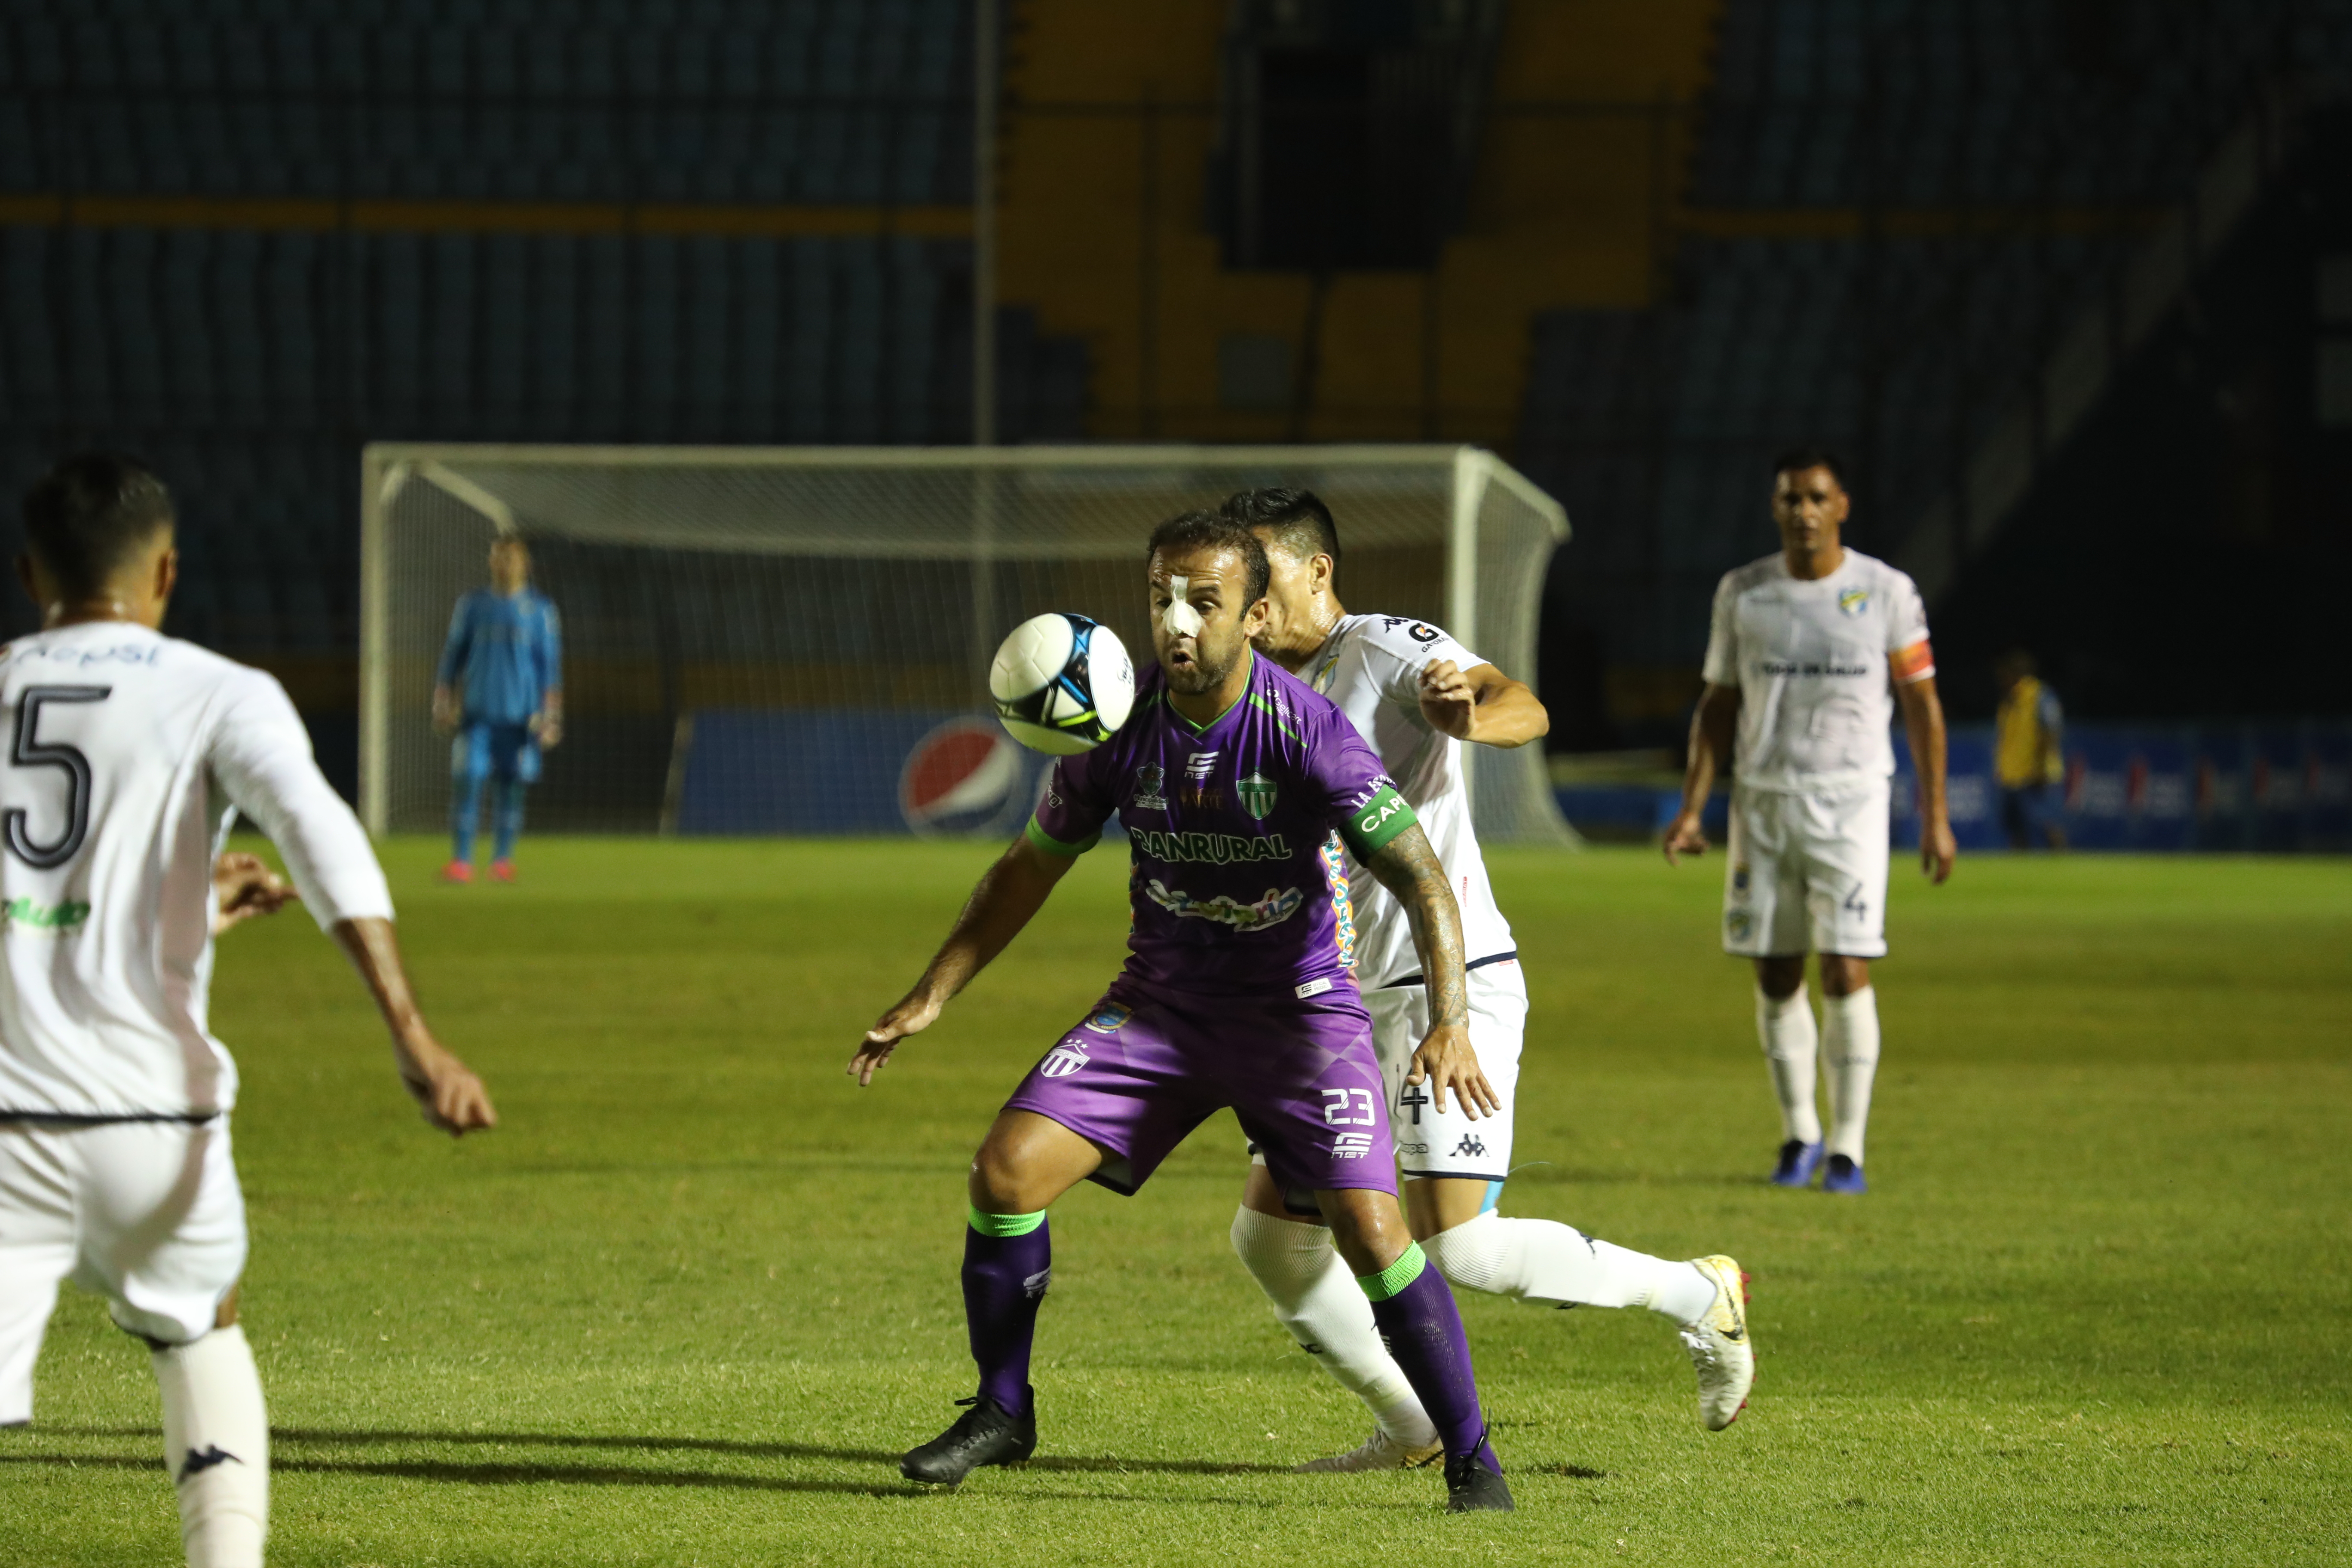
(1541, 1260)
(1786, 1028)
(216, 1447)
(1850, 1054)
(1327, 1312)
(1532, 1259)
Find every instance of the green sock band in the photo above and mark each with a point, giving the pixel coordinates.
(1396, 1276)
(1003, 1224)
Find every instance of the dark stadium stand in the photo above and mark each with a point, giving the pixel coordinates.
(848, 101)
(1893, 212)
(243, 239)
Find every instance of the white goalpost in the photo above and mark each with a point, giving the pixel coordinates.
(796, 640)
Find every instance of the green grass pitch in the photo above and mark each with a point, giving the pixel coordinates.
(689, 1302)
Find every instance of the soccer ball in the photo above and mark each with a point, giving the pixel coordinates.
(1062, 683)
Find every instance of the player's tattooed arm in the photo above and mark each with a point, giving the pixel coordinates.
(1006, 899)
(1408, 868)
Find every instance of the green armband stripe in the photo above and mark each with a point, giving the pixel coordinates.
(1053, 846)
(1396, 1276)
(1004, 1224)
(1378, 820)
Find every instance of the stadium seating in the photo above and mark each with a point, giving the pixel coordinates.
(251, 362)
(1957, 183)
(1826, 102)
(824, 101)
(206, 349)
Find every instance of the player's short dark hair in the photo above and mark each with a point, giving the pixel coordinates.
(1298, 518)
(1210, 531)
(86, 517)
(1797, 459)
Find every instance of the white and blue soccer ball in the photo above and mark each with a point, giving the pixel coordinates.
(1062, 684)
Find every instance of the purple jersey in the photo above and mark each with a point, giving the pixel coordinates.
(1236, 886)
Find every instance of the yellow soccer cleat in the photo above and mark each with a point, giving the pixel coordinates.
(1719, 1346)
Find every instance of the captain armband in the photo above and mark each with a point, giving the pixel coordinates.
(1382, 815)
(1916, 662)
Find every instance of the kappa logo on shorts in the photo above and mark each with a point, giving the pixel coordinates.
(1109, 1019)
(1470, 1145)
(1351, 1146)
(1063, 1060)
(1412, 1148)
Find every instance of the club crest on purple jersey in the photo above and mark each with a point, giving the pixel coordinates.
(1259, 794)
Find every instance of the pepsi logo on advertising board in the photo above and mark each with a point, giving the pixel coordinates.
(965, 776)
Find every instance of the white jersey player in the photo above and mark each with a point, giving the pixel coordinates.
(1416, 694)
(129, 755)
(1811, 651)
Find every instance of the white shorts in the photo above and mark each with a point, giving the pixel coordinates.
(147, 1215)
(1433, 1142)
(1806, 871)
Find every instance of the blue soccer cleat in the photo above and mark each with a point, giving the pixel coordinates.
(1799, 1161)
(1843, 1176)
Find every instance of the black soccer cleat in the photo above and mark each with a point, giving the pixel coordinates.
(986, 1434)
(1472, 1488)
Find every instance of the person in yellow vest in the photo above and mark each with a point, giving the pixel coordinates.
(2028, 754)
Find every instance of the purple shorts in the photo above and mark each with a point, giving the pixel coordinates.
(1144, 1069)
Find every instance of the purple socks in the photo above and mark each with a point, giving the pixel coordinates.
(1415, 1314)
(1008, 1261)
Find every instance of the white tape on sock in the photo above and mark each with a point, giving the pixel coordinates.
(1319, 1302)
(1785, 1029)
(216, 1447)
(1545, 1261)
(1850, 1052)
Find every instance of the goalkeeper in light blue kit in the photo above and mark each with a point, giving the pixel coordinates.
(501, 690)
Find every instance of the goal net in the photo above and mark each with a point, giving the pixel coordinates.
(796, 640)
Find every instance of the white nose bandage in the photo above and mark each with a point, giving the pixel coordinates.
(1179, 619)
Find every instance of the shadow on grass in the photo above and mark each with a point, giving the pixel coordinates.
(1110, 1463)
(501, 1475)
(1081, 1463)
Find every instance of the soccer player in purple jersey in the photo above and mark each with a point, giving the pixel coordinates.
(1231, 777)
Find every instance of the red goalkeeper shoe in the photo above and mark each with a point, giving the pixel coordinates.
(501, 870)
(458, 872)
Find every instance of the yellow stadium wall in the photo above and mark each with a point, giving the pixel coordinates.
(1110, 122)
